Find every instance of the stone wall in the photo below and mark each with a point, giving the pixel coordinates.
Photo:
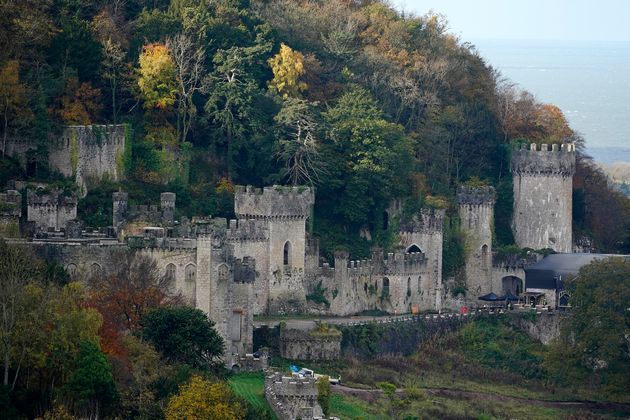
(50, 209)
(543, 182)
(292, 398)
(310, 345)
(543, 326)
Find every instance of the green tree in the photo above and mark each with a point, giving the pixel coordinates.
(287, 67)
(594, 338)
(157, 81)
(183, 335)
(92, 385)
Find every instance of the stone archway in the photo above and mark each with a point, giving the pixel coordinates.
(512, 284)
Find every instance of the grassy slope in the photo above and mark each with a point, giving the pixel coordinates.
(251, 387)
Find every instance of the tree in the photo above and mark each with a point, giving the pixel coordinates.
(184, 335)
(287, 67)
(297, 146)
(92, 385)
(189, 60)
(202, 399)
(18, 268)
(232, 93)
(80, 104)
(595, 338)
(157, 81)
(12, 97)
(123, 294)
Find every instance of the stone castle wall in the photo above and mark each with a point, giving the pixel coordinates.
(10, 213)
(83, 152)
(309, 345)
(50, 209)
(543, 197)
(292, 398)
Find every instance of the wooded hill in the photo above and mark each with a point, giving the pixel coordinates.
(351, 96)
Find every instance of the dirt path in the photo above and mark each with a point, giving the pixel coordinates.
(371, 395)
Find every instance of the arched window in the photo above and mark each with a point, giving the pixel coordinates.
(95, 270)
(223, 272)
(71, 269)
(419, 284)
(169, 278)
(409, 287)
(414, 248)
(287, 254)
(191, 272)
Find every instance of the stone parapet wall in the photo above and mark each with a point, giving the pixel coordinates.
(276, 201)
(310, 345)
(542, 160)
(291, 397)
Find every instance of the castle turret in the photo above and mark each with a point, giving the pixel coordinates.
(50, 210)
(120, 206)
(167, 206)
(476, 212)
(543, 182)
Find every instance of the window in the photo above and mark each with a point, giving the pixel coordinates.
(191, 272)
(414, 248)
(169, 278)
(223, 272)
(484, 256)
(409, 287)
(287, 254)
(385, 292)
(95, 270)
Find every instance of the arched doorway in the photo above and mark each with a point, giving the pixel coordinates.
(414, 248)
(512, 284)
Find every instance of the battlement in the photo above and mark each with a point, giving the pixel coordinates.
(50, 209)
(273, 202)
(89, 135)
(531, 159)
(122, 212)
(291, 386)
(426, 221)
(476, 196)
(11, 204)
(55, 197)
(393, 263)
(246, 230)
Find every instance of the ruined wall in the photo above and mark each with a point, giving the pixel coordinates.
(476, 213)
(425, 231)
(543, 197)
(544, 327)
(393, 284)
(50, 209)
(310, 345)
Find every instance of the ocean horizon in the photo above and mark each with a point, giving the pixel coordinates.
(588, 81)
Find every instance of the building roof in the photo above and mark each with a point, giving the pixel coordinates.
(543, 274)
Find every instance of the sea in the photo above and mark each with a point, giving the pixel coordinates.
(589, 81)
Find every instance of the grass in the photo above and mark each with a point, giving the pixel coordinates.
(350, 408)
(251, 387)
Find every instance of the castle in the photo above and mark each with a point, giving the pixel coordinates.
(264, 261)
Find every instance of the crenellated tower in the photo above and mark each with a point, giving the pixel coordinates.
(476, 213)
(283, 211)
(543, 185)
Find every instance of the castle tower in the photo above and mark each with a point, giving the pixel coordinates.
(543, 185)
(284, 212)
(476, 212)
(167, 205)
(120, 205)
(424, 233)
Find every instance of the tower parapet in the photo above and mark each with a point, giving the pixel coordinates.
(534, 160)
(426, 221)
(275, 201)
(50, 209)
(543, 186)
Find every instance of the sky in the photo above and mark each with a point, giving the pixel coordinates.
(579, 20)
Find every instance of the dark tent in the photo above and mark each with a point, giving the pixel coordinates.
(490, 297)
(549, 272)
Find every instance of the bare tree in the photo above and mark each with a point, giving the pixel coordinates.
(189, 59)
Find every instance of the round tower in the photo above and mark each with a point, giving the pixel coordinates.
(476, 212)
(543, 188)
(120, 205)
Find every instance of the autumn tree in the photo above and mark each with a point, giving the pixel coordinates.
(12, 97)
(202, 399)
(288, 68)
(125, 293)
(157, 81)
(80, 103)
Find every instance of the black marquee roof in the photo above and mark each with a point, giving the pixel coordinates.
(543, 274)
